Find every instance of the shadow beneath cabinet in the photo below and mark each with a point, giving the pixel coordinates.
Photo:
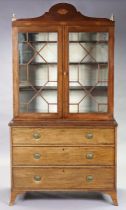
(64, 195)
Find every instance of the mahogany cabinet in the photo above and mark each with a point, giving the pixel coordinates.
(63, 134)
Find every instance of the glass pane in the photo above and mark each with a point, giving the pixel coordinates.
(38, 72)
(88, 72)
(45, 102)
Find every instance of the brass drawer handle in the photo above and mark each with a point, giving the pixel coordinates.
(36, 136)
(89, 155)
(89, 135)
(89, 178)
(37, 178)
(37, 156)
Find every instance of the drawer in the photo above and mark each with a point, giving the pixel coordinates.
(63, 178)
(63, 155)
(61, 136)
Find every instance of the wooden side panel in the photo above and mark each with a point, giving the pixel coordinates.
(62, 136)
(63, 156)
(64, 178)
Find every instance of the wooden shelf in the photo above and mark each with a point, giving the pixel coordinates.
(51, 63)
(29, 88)
(88, 88)
(94, 42)
(76, 42)
(88, 63)
(71, 63)
(37, 42)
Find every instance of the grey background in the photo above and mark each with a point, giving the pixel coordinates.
(33, 8)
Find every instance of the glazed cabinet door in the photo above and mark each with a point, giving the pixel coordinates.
(89, 73)
(38, 72)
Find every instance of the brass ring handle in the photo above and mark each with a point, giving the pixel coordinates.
(37, 156)
(89, 155)
(37, 178)
(89, 135)
(89, 178)
(36, 135)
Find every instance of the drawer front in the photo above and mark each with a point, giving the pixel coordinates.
(63, 178)
(61, 136)
(63, 155)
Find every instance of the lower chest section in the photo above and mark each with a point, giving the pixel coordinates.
(63, 158)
